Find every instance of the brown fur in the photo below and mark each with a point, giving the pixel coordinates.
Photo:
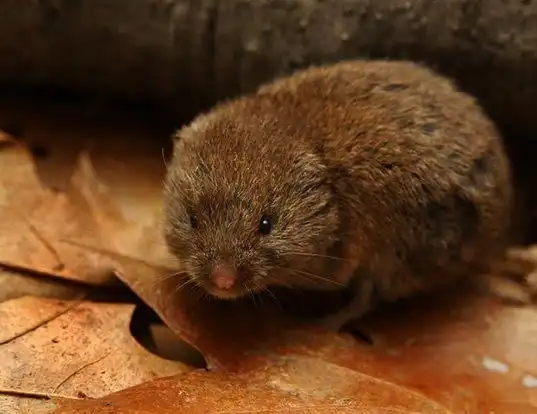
(379, 173)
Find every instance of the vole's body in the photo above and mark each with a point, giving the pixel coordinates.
(376, 175)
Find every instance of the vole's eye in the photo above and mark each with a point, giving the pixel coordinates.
(193, 221)
(265, 225)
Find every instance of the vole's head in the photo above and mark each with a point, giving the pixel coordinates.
(246, 206)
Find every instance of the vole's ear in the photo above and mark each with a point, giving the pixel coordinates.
(310, 168)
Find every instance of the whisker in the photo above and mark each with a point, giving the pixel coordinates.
(161, 280)
(252, 295)
(189, 281)
(258, 292)
(273, 296)
(182, 285)
(175, 274)
(177, 288)
(277, 281)
(311, 275)
(164, 157)
(199, 291)
(323, 256)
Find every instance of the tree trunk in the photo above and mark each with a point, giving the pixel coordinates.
(199, 51)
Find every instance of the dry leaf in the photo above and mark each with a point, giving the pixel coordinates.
(80, 186)
(16, 405)
(292, 384)
(432, 345)
(73, 349)
(469, 352)
(34, 218)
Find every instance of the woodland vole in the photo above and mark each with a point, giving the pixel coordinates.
(378, 176)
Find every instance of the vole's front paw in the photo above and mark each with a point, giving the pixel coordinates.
(515, 277)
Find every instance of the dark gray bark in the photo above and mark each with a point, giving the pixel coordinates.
(198, 51)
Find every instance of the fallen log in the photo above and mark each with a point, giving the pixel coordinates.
(198, 51)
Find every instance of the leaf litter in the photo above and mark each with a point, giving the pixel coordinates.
(103, 224)
(34, 218)
(76, 349)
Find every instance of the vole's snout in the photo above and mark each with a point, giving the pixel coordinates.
(224, 281)
(224, 276)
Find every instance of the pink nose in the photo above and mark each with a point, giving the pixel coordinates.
(223, 276)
